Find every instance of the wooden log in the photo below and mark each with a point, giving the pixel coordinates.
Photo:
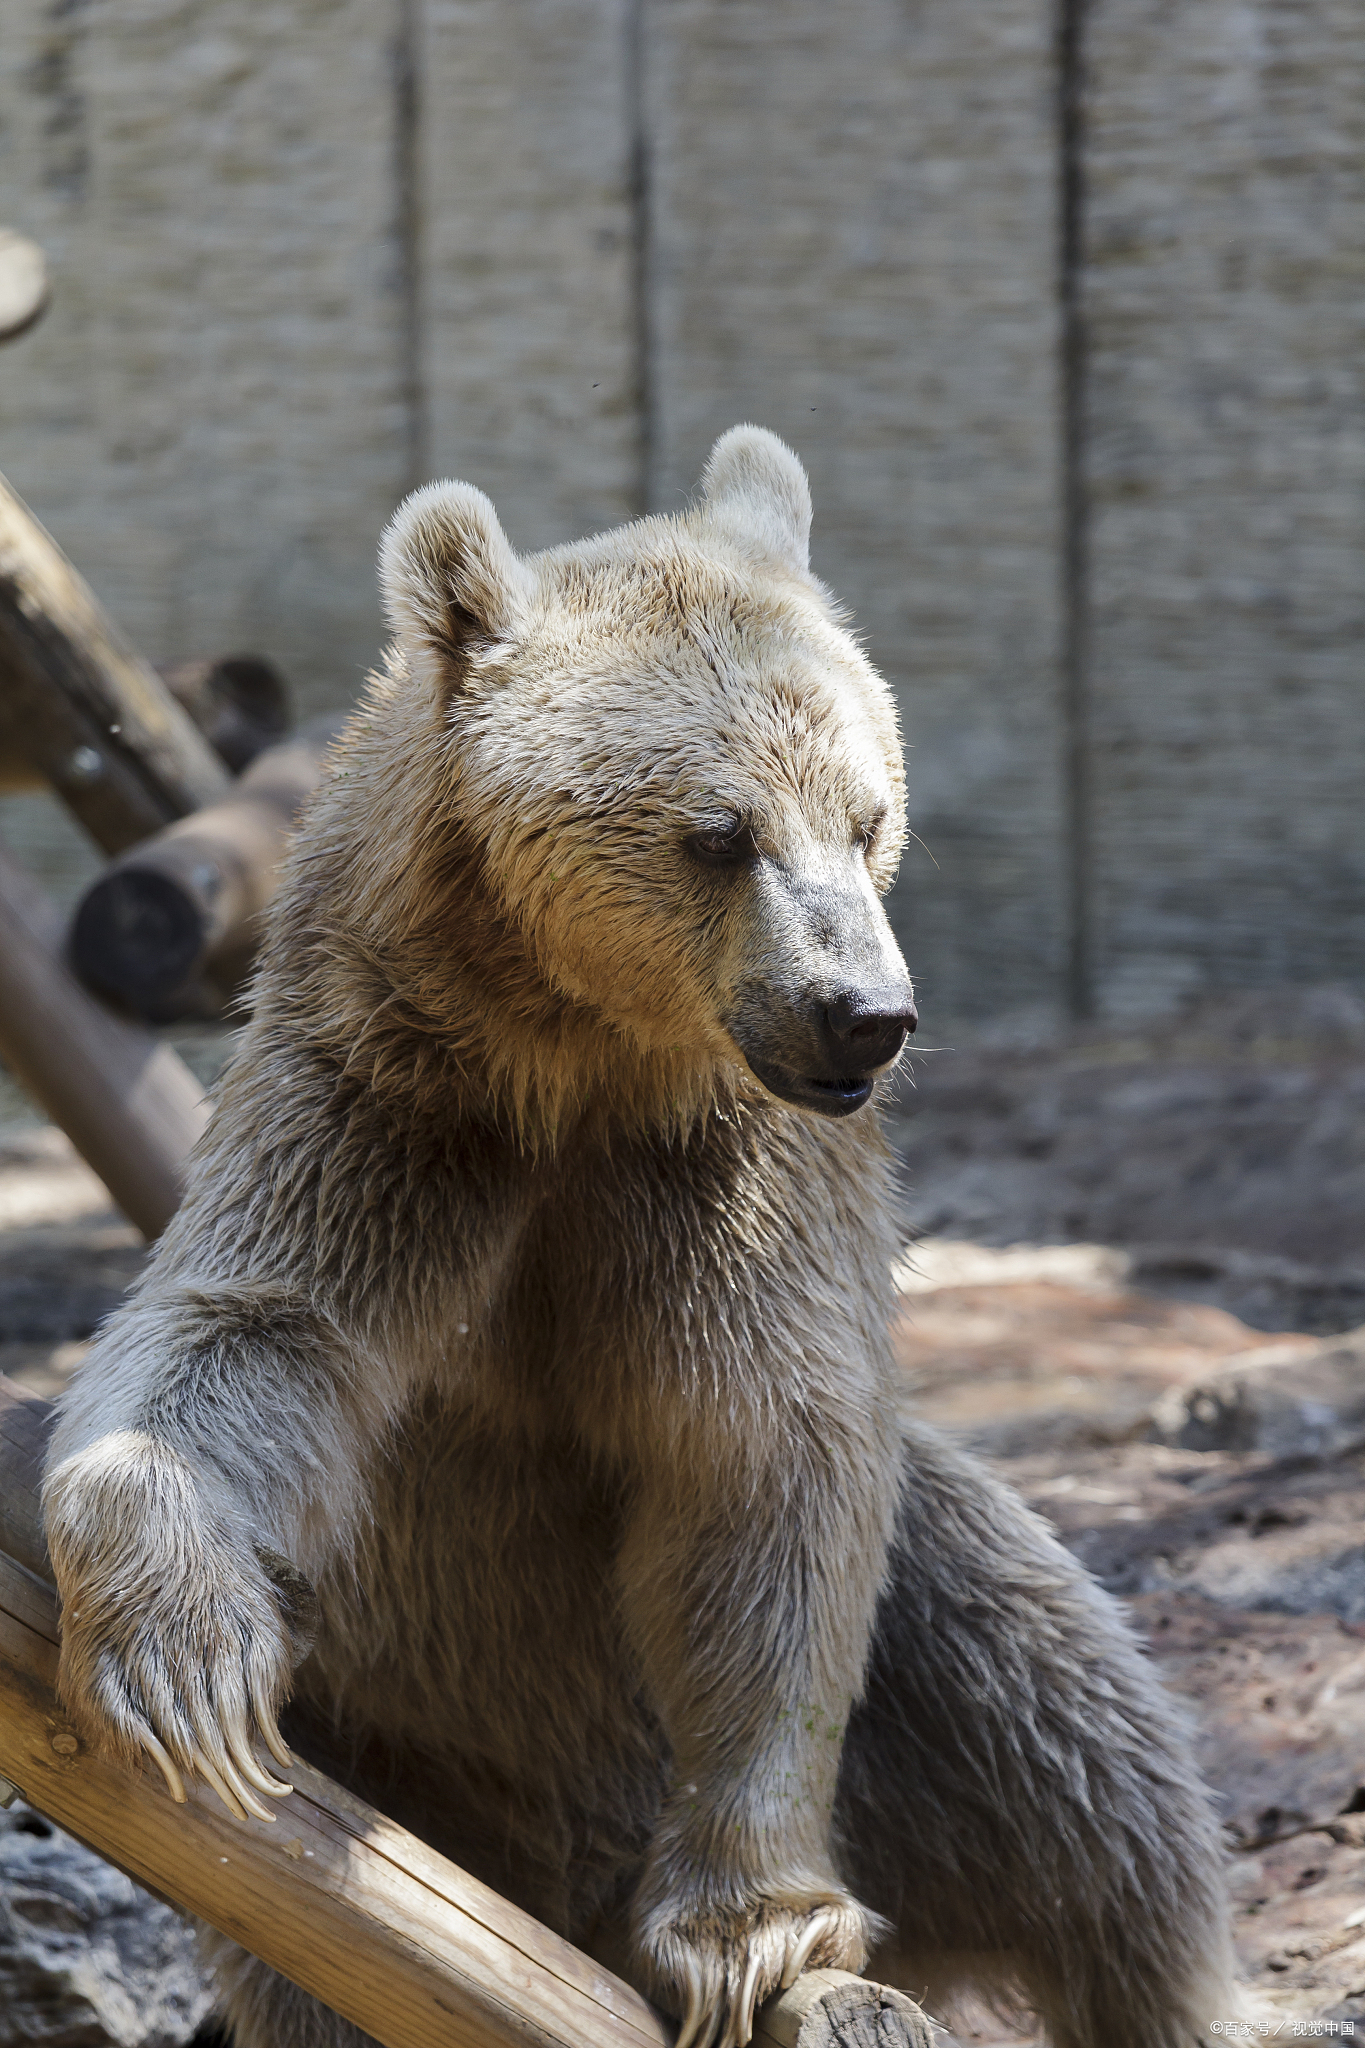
(129, 1105)
(170, 928)
(362, 1914)
(333, 1895)
(238, 701)
(831, 2009)
(25, 1424)
(94, 719)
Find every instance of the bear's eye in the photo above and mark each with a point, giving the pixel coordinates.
(723, 847)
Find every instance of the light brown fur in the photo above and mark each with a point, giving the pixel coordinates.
(510, 1307)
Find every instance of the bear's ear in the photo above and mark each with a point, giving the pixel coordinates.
(448, 577)
(754, 489)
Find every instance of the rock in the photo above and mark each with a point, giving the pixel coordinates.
(1283, 1402)
(1280, 1537)
(1268, 1293)
(1035, 1347)
(87, 1958)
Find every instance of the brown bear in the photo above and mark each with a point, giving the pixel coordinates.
(530, 1299)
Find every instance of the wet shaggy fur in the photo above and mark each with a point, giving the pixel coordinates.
(511, 1311)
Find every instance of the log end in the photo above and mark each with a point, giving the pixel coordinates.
(240, 702)
(831, 2009)
(138, 937)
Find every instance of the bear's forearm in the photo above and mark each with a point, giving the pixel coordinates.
(752, 1638)
(208, 1463)
(757, 1731)
(262, 1397)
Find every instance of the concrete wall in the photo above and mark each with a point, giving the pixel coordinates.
(210, 419)
(308, 252)
(1224, 302)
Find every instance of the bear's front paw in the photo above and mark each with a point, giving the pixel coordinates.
(174, 1642)
(714, 1966)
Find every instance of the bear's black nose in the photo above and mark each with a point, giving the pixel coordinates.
(866, 1028)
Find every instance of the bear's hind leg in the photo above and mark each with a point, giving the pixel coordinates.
(261, 2009)
(1015, 1787)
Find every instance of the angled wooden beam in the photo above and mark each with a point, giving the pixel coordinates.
(24, 284)
(94, 719)
(128, 1103)
(239, 702)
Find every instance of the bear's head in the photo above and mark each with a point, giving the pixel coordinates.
(681, 782)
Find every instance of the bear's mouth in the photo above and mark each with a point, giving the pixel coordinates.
(829, 1097)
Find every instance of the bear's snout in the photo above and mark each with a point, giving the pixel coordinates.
(866, 1029)
(824, 1054)
(827, 1003)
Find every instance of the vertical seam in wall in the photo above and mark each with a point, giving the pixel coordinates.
(407, 109)
(642, 254)
(1075, 565)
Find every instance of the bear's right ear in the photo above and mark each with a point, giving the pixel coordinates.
(448, 577)
(754, 489)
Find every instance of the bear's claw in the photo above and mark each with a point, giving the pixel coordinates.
(174, 1643)
(199, 1735)
(720, 1976)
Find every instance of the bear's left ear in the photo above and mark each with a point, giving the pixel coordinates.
(754, 488)
(448, 577)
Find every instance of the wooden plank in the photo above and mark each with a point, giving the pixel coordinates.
(129, 1105)
(94, 719)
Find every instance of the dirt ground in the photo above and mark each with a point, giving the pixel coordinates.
(1213, 1476)
(1225, 1152)
(1135, 1281)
